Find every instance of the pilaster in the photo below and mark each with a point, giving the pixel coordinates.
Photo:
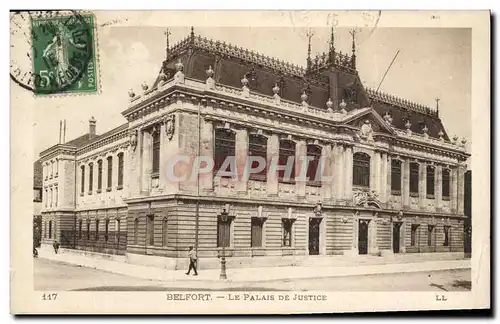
(422, 184)
(301, 168)
(348, 175)
(406, 183)
(438, 187)
(272, 155)
(241, 152)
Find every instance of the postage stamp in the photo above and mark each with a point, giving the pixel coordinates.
(64, 59)
(230, 174)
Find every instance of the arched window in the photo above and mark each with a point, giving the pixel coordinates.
(120, 170)
(91, 177)
(82, 179)
(225, 140)
(430, 181)
(446, 184)
(414, 179)
(99, 176)
(396, 177)
(110, 173)
(257, 146)
(314, 157)
(156, 154)
(361, 170)
(286, 153)
(136, 231)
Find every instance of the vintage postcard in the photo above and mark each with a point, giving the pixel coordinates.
(272, 162)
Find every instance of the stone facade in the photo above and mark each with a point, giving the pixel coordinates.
(153, 219)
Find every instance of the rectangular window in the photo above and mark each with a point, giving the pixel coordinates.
(91, 177)
(223, 233)
(82, 179)
(150, 229)
(286, 152)
(50, 229)
(396, 177)
(106, 231)
(120, 171)
(156, 153)
(136, 231)
(256, 232)
(414, 234)
(225, 147)
(117, 231)
(110, 173)
(446, 184)
(446, 236)
(430, 234)
(361, 170)
(97, 230)
(314, 157)
(414, 179)
(430, 182)
(164, 231)
(257, 146)
(99, 176)
(287, 231)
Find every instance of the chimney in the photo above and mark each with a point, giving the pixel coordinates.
(92, 123)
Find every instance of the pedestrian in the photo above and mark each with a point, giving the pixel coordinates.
(192, 261)
(56, 246)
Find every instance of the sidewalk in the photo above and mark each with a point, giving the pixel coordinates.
(254, 274)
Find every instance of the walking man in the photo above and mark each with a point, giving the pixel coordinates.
(55, 245)
(192, 261)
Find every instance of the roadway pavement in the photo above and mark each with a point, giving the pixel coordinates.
(51, 275)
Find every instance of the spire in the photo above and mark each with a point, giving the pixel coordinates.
(167, 33)
(353, 56)
(309, 35)
(192, 32)
(437, 106)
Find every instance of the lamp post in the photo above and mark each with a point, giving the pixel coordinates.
(223, 275)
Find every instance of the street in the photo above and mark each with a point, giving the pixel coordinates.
(59, 276)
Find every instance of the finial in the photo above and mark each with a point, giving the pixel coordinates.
(437, 105)
(303, 97)
(440, 135)
(144, 86)
(343, 106)
(353, 57)
(192, 32)
(276, 89)
(244, 81)
(329, 105)
(309, 35)
(210, 72)
(167, 33)
(179, 66)
(131, 93)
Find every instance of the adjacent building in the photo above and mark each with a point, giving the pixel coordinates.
(397, 178)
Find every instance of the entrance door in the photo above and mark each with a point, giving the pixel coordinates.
(395, 237)
(363, 237)
(314, 235)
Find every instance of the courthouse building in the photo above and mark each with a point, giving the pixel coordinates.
(397, 178)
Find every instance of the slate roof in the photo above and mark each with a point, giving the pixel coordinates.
(332, 74)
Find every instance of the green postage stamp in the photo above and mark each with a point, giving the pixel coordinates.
(64, 59)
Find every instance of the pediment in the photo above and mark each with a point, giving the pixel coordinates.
(373, 121)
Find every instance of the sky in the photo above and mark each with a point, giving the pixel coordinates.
(432, 62)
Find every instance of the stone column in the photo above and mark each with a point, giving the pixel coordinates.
(348, 175)
(114, 178)
(207, 149)
(375, 172)
(422, 184)
(95, 175)
(339, 174)
(438, 184)
(388, 178)
(460, 189)
(272, 156)
(355, 235)
(406, 183)
(146, 163)
(372, 236)
(325, 169)
(402, 237)
(241, 152)
(382, 178)
(454, 190)
(300, 169)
